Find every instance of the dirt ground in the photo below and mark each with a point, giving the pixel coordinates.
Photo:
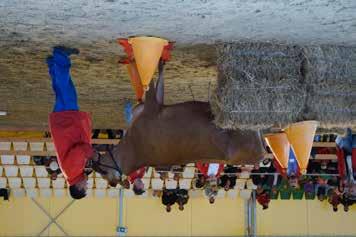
(29, 28)
(102, 84)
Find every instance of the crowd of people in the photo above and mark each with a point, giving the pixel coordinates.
(325, 180)
(330, 180)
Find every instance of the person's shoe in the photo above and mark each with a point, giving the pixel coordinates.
(49, 59)
(66, 50)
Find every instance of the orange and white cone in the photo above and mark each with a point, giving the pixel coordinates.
(301, 135)
(147, 52)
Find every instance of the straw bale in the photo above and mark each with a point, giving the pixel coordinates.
(268, 84)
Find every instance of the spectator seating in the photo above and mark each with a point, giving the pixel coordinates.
(14, 182)
(148, 173)
(60, 182)
(90, 183)
(36, 146)
(101, 183)
(26, 170)
(23, 159)
(41, 171)
(7, 159)
(50, 146)
(189, 172)
(11, 170)
(146, 183)
(171, 183)
(5, 146)
(156, 184)
(240, 183)
(43, 182)
(20, 146)
(21, 173)
(185, 183)
(250, 185)
(29, 182)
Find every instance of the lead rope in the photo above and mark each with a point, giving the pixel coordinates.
(118, 169)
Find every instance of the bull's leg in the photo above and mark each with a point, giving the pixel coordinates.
(160, 84)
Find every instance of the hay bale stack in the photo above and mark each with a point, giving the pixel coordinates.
(331, 83)
(263, 85)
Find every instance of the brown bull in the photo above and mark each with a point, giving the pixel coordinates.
(166, 135)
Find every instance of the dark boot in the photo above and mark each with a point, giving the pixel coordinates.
(66, 50)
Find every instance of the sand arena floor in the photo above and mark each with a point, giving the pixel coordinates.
(28, 29)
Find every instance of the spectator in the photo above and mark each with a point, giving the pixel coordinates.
(334, 199)
(293, 181)
(333, 181)
(256, 179)
(38, 160)
(321, 192)
(157, 193)
(210, 169)
(135, 178)
(309, 189)
(228, 180)
(200, 181)
(284, 189)
(182, 198)
(5, 193)
(52, 167)
(346, 202)
(262, 197)
(274, 192)
(211, 192)
(211, 189)
(211, 172)
(313, 167)
(177, 170)
(138, 186)
(169, 197)
(332, 168)
(298, 188)
(321, 188)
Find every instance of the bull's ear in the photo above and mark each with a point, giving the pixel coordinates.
(151, 104)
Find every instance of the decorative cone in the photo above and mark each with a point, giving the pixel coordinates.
(300, 136)
(280, 148)
(147, 52)
(135, 80)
